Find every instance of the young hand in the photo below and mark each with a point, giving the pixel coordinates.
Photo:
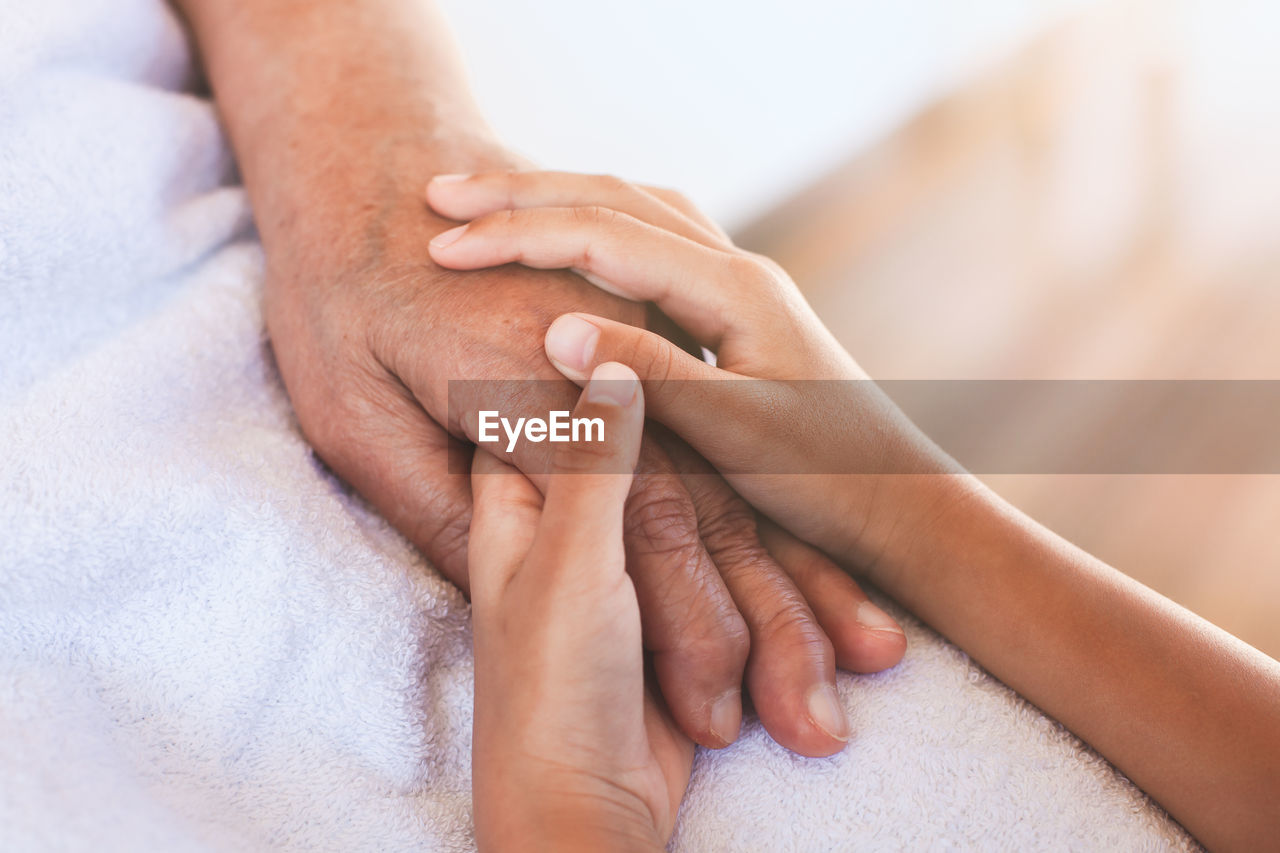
(570, 749)
(745, 309)
(804, 614)
(1188, 712)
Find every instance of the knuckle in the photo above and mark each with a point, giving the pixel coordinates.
(495, 223)
(714, 637)
(728, 525)
(675, 198)
(501, 219)
(723, 642)
(735, 638)
(806, 565)
(594, 215)
(682, 201)
(769, 264)
(751, 272)
(516, 184)
(731, 537)
(612, 184)
(790, 621)
(660, 520)
(595, 222)
(649, 356)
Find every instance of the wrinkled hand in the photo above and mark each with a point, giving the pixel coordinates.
(368, 331)
(845, 495)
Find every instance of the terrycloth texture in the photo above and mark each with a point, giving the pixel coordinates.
(206, 643)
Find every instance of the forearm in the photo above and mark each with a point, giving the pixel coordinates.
(336, 109)
(1187, 711)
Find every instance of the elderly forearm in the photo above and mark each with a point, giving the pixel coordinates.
(328, 102)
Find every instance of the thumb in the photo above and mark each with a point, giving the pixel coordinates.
(684, 393)
(590, 477)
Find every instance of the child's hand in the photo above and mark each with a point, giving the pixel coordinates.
(631, 242)
(570, 750)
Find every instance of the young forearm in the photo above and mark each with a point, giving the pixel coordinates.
(1187, 711)
(328, 103)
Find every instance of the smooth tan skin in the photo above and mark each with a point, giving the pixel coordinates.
(339, 112)
(1187, 711)
(570, 750)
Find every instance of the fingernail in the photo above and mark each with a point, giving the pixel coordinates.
(612, 383)
(448, 179)
(726, 717)
(827, 713)
(447, 238)
(571, 342)
(874, 619)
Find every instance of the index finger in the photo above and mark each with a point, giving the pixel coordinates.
(701, 287)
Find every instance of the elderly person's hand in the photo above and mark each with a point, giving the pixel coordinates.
(339, 113)
(809, 395)
(571, 750)
(367, 349)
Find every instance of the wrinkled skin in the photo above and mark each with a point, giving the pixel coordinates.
(367, 332)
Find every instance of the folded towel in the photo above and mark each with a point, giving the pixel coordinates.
(208, 643)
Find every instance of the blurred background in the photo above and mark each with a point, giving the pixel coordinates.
(1032, 189)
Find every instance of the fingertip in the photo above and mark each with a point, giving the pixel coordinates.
(812, 723)
(809, 720)
(445, 239)
(613, 383)
(883, 641)
(438, 192)
(613, 395)
(703, 691)
(864, 637)
(726, 718)
(864, 649)
(826, 713)
(570, 344)
(439, 186)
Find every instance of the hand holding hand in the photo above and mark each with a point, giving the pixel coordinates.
(1109, 658)
(571, 750)
(744, 308)
(367, 337)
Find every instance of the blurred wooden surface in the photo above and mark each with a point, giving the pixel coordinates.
(1104, 205)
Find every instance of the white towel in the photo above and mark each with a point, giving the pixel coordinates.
(207, 643)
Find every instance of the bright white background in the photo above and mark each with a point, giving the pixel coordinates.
(736, 103)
